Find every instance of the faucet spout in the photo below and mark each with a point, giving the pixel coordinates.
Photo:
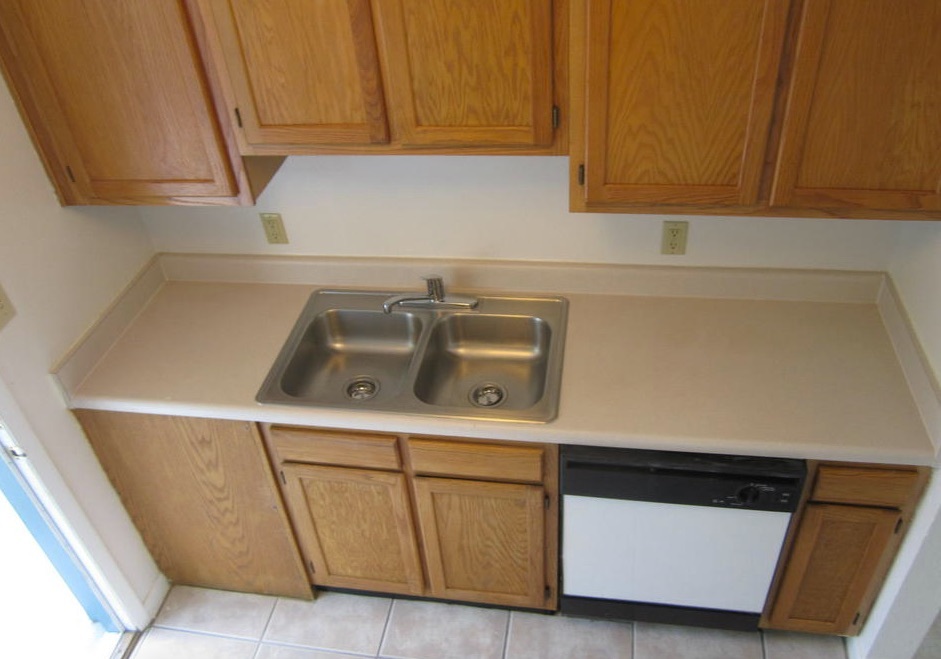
(435, 298)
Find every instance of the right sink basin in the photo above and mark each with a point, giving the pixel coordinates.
(485, 361)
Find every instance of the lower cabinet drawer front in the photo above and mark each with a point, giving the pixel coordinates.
(336, 448)
(866, 486)
(477, 460)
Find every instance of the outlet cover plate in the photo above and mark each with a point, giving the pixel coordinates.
(674, 237)
(274, 228)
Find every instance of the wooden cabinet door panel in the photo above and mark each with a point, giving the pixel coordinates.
(303, 71)
(484, 542)
(468, 73)
(203, 498)
(679, 99)
(832, 567)
(356, 527)
(862, 124)
(119, 96)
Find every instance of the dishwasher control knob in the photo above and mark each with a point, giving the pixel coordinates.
(748, 494)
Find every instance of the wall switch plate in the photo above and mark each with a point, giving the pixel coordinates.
(674, 237)
(6, 308)
(274, 228)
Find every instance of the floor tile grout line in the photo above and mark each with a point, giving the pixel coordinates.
(277, 600)
(506, 634)
(200, 632)
(385, 627)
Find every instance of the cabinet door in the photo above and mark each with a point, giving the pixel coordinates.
(837, 556)
(862, 127)
(678, 100)
(203, 497)
(355, 526)
(115, 96)
(484, 542)
(468, 73)
(302, 71)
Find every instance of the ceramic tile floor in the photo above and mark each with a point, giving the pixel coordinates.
(212, 624)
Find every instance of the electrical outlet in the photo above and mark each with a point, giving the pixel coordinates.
(6, 308)
(674, 237)
(274, 228)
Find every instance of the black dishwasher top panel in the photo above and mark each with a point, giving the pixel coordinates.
(702, 479)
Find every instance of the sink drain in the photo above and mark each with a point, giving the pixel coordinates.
(362, 388)
(487, 395)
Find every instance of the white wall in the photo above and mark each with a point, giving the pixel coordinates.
(61, 268)
(494, 207)
(912, 597)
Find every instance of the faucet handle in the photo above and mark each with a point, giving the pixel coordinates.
(435, 287)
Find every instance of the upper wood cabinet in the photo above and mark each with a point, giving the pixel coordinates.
(317, 76)
(116, 100)
(468, 73)
(863, 121)
(772, 107)
(303, 71)
(679, 98)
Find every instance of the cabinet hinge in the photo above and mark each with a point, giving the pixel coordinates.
(238, 117)
(283, 479)
(556, 116)
(581, 174)
(856, 619)
(548, 592)
(547, 502)
(898, 526)
(311, 564)
(68, 170)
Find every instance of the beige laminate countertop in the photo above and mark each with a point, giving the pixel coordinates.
(791, 379)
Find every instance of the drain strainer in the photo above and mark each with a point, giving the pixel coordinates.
(362, 388)
(487, 395)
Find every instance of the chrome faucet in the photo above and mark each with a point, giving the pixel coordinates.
(434, 298)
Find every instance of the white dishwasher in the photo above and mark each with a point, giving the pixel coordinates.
(682, 538)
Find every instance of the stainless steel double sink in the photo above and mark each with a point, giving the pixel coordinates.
(500, 360)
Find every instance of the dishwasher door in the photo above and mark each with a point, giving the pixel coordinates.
(662, 553)
(683, 538)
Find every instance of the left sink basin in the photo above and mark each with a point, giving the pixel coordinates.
(351, 354)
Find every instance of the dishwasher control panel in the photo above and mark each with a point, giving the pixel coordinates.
(724, 481)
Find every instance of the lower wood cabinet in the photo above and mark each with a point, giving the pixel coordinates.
(203, 497)
(355, 527)
(451, 519)
(484, 542)
(846, 539)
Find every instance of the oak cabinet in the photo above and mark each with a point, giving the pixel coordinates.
(678, 99)
(862, 127)
(118, 104)
(450, 519)
(845, 542)
(352, 75)
(355, 525)
(772, 107)
(203, 497)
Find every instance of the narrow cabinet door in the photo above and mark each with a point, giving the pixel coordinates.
(465, 72)
(835, 560)
(117, 99)
(484, 542)
(355, 526)
(862, 127)
(678, 99)
(302, 71)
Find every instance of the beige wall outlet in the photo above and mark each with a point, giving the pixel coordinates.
(274, 228)
(6, 308)
(674, 237)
